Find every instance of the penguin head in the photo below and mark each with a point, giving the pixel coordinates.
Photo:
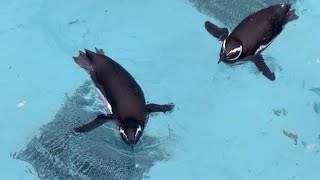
(131, 131)
(231, 50)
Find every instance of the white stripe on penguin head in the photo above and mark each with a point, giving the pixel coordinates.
(138, 130)
(122, 132)
(235, 50)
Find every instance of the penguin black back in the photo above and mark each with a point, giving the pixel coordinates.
(121, 94)
(260, 28)
(252, 36)
(121, 90)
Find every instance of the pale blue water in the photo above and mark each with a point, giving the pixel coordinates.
(228, 123)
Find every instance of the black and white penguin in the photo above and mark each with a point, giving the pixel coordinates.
(120, 93)
(253, 35)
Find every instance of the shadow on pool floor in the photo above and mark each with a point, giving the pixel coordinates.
(232, 12)
(58, 153)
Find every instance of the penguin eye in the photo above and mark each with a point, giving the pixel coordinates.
(138, 130)
(123, 133)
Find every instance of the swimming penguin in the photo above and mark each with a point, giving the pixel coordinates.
(120, 93)
(253, 35)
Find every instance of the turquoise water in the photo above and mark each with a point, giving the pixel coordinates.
(229, 123)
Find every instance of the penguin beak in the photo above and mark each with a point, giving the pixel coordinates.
(222, 57)
(132, 147)
(132, 143)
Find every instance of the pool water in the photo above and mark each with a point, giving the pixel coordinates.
(228, 123)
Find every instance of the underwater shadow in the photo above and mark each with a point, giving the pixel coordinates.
(231, 13)
(58, 153)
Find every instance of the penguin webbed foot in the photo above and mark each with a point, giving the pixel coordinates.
(262, 67)
(98, 121)
(291, 16)
(166, 108)
(220, 33)
(100, 51)
(83, 61)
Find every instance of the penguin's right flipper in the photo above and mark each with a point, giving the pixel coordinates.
(100, 120)
(262, 66)
(219, 33)
(100, 51)
(152, 108)
(83, 61)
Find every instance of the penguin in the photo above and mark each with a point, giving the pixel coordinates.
(121, 94)
(252, 36)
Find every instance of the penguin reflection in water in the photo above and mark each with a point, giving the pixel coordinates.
(120, 93)
(253, 35)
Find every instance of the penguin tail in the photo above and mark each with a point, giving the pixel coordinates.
(291, 16)
(83, 61)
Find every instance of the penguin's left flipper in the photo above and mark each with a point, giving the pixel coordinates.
(219, 33)
(152, 108)
(98, 121)
(262, 66)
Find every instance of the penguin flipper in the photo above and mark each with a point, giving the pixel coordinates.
(98, 121)
(262, 66)
(83, 61)
(219, 33)
(152, 108)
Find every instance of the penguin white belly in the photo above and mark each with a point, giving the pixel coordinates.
(105, 101)
(263, 46)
